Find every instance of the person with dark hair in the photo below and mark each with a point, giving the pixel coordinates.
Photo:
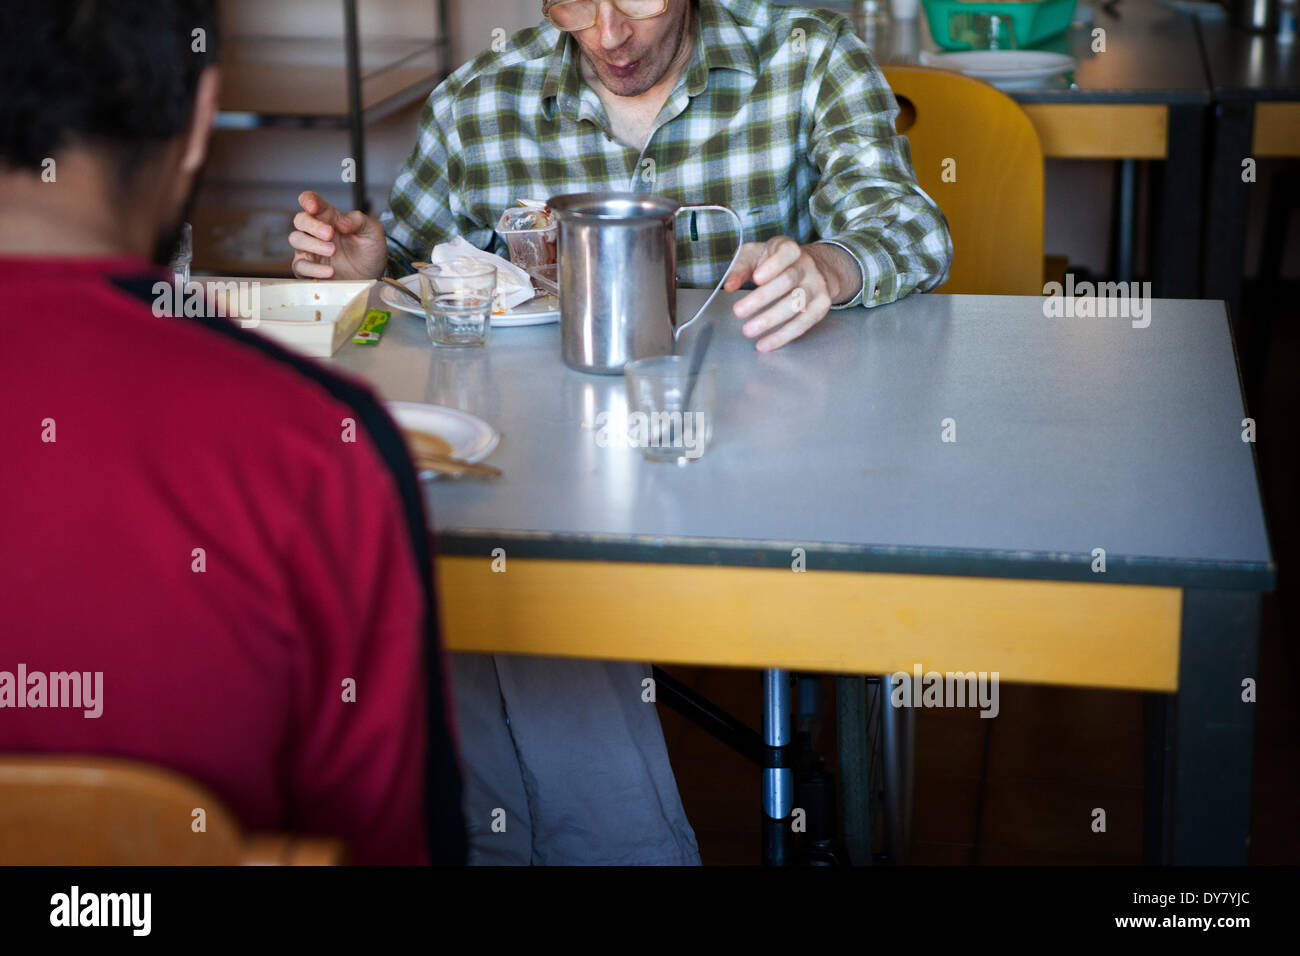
(228, 539)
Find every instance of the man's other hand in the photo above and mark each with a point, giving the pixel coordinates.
(330, 245)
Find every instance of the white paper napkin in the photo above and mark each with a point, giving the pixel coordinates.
(514, 287)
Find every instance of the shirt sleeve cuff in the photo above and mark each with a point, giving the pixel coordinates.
(876, 268)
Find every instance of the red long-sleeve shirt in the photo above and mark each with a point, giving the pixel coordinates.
(181, 510)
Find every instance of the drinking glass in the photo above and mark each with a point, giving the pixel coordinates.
(661, 420)
(182, 256)
(989, 31)
(458, 297)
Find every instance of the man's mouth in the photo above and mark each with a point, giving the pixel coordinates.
(625, 70)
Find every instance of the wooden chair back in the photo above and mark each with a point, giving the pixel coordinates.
(977, 155)
(94, 811)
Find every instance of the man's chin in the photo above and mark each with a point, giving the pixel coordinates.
(632, 86)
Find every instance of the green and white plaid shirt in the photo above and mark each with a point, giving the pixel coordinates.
(781, 115)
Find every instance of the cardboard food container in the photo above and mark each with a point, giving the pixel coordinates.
(311, 318)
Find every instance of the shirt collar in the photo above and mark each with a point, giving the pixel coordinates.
(562, 85)
(720, 45)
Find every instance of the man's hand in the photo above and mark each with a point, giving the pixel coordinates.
(797, 285)
(330, 245)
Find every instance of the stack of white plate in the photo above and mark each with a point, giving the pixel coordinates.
(1005, 69)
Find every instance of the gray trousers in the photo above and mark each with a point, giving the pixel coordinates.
(565, 763)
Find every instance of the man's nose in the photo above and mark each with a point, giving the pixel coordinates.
(614, 29)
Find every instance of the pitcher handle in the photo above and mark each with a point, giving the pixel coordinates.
(740, 241)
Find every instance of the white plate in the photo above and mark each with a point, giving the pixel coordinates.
(539, 310)
(1008, 69)
(470, 437)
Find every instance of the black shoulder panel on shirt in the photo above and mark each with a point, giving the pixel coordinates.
(446, 832)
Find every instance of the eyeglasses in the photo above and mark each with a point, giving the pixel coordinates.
(572, 16)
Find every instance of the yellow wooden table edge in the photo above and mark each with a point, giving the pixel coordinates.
(1048, 632)
(1277, 130)
(1101, 130)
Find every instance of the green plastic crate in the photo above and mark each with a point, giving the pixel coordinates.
(952, 20)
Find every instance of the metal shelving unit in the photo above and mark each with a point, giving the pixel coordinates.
(294, 82)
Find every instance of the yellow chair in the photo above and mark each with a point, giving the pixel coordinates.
(977, 155)
(91, 811)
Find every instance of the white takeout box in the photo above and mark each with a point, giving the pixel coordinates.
(312, 318)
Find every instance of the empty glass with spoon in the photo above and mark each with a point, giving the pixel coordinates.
(670, 409)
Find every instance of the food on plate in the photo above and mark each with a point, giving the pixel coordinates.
(422, 443)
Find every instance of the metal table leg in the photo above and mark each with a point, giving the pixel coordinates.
(1175, 223)
(1202, 739)
(1125, 220)
(778, 775)
(898, 737)
(1225, 226)
(854, 764)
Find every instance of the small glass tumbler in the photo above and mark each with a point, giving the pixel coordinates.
(182, 256)
(662, 420)
(458, 297)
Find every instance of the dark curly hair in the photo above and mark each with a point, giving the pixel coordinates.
(117, 74)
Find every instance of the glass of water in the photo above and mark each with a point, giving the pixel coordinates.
(989, 31)
(182, 255)
(669, 416)
(458, 298)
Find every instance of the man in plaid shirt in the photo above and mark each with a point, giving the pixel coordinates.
(778, 113)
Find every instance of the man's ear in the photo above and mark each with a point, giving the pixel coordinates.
(205, 111)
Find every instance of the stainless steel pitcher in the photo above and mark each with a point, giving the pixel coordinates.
(617, 275)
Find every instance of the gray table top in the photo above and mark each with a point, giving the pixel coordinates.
(1152, 54)
(1250, 66)
(1072, 434)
